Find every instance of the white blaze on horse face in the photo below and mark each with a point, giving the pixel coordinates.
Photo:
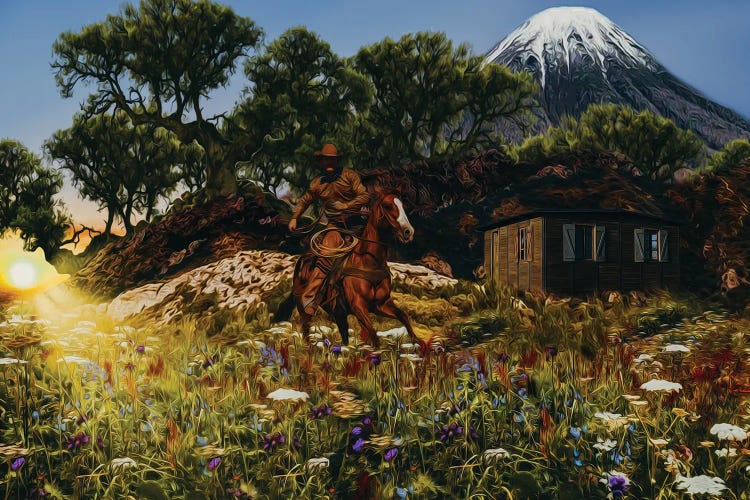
(407, 231)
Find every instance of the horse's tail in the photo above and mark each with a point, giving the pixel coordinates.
(285, 309)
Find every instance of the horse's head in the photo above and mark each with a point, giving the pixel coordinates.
(388, 210)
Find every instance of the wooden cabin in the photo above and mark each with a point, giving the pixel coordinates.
(580, 251)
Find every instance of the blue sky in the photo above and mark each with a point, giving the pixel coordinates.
(703, 43)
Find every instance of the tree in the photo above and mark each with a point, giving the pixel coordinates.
(301, 95)
(655, 145)
(433, 100)
(157, 63)
(731, 155)
(27, 203)
(121, 167)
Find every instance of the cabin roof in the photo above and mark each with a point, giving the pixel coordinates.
(549, 211)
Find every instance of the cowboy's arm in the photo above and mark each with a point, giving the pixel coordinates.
(362, 197)
(304, 201)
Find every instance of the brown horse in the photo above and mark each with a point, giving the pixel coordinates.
(362, 285)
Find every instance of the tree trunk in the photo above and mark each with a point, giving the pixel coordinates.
(110, 220)
(220, 180)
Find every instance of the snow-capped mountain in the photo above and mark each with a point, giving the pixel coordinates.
(580, 57)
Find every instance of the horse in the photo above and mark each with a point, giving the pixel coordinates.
(362, 283)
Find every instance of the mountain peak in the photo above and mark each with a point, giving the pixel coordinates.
(561, 36)
(579, 57)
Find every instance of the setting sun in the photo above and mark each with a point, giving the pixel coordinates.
(22, 274)
(25, 273)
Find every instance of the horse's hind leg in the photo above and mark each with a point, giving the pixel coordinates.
(305, 319)
(341, 321)
(361, 311)
(391, 310)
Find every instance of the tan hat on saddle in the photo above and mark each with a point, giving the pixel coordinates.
(328, 150)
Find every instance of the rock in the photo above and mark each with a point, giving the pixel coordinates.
(433, 261)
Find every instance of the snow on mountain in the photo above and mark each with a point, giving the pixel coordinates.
(580, 57)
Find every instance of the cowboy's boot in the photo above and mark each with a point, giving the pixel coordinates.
(310, 295)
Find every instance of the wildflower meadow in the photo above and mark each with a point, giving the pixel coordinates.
(517, 397)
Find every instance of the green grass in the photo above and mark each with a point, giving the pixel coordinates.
(187, 404)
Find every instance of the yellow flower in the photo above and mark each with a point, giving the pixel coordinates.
(680, 412)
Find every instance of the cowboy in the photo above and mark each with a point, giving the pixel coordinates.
(342, 194)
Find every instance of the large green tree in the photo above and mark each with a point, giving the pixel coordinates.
(301, 95)
(433, 100)
(123, 168)
(27, 203)
(158, 63)
(655, 145)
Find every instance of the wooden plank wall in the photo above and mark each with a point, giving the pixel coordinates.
(547, 271)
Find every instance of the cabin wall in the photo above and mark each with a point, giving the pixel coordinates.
(619, 269)
(501, 255)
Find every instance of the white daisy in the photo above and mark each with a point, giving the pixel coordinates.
(700, 485)
(729, 432)
(655, 385)
(288, 395)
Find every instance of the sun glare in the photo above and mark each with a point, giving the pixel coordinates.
(22, 274)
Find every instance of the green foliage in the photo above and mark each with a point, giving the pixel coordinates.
(655, 145)
(432, 100)
(302, 95)
(732, 154)
(157, 62)
(27, 203)
(123, 168)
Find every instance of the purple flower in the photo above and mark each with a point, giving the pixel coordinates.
(208, 362)
(390, 454)
(296, 442)
(551, 350)
(336, 349)
(367, 421)
(214, 463)
(18, 463)
(321, 411)
(358, 445)
(449, 432)
(357, 431)
(504, 357)
(327, 342)
(374, 359)
(141, 349)
(271, 441)
(473, 433)
(77, 440)
(617, 484)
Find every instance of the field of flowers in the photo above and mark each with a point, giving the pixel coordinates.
(517, 398)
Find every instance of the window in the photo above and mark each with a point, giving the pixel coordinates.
(651, 241)
(522, 243)
(651, 245)
(584, 242)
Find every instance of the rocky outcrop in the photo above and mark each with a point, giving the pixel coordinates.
(240, 283)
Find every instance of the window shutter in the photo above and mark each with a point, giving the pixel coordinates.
(663, 245)
(600, 250)
(569, 238)
(529, 241)
(638, 245)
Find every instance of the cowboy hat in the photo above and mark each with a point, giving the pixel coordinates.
(328, 150)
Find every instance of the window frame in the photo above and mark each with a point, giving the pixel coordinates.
(651, 253)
